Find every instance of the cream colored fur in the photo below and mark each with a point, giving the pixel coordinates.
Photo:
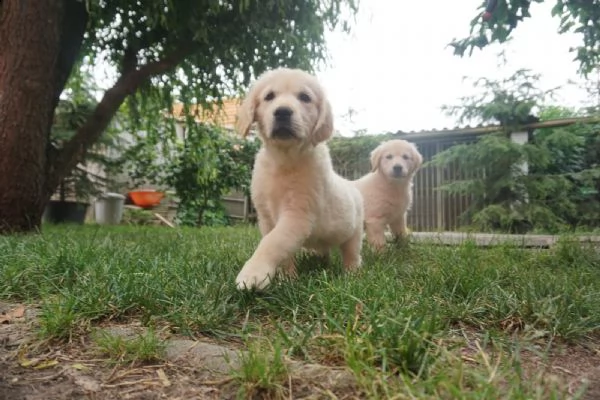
(387, 189)
(299, 199)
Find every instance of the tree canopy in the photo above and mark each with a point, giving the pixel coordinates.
(579, 16)
(201, 51)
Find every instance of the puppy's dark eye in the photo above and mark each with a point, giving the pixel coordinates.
(389, 156)
(270, 96)
(303, 97)
(405, 156)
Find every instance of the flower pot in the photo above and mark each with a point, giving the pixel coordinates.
(60, 212)
(146, 198)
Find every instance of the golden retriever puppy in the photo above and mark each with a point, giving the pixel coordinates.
(387, 189)
(300, 201)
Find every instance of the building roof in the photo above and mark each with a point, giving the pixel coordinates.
(223, 115)
(484, 129)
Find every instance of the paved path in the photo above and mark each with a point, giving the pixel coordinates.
(490, 239)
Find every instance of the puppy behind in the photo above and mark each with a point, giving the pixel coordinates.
(299, 199)
(387, 189)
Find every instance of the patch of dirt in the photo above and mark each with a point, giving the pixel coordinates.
(573, 366)
(34, 370)
(201, 369)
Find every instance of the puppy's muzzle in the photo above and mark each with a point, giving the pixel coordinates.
(282, 124)
(398, 171)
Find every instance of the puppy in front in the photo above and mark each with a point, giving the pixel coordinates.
(300, 201)
(387, 190)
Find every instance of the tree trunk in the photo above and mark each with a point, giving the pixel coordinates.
(29, 49)
(39, 44)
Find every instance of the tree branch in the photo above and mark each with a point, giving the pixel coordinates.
(129, 62)
(74, 150)
(71, 38)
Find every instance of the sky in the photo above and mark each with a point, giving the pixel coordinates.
(395, 71)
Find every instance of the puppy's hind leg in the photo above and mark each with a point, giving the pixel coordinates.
(375, 231)
(324, 258)
(290, 268)
(351, 251)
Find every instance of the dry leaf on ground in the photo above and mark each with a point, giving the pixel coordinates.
(15, 313)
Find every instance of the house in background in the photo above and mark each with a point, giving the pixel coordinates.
(221, 115)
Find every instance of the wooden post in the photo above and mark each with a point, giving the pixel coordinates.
(439, 197)
(521, 138)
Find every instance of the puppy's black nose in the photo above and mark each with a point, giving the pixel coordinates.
(283, 113)
(397, 169)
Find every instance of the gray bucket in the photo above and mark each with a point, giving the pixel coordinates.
(109, 208)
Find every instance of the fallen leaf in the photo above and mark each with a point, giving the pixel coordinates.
(79, 367)
(46, 364)
(17, 312)
(29, 363)
(24, 361)
(163, 378)
(36, 363)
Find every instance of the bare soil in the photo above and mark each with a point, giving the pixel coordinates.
(31, 369)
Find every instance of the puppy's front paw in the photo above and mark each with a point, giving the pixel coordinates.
(254, 276)
(378, 246)
(353, 264)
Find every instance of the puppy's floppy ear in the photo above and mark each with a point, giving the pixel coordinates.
(324, 126)
(246, 113)
(376, 157)
(417, 157)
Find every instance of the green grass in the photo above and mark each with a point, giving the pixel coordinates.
(397, 323)
(262, 371)
(141, 348)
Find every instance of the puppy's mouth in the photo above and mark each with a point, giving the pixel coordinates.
(283, 132)
(398, 174)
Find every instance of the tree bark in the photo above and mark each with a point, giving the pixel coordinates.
(73, 29)
(29, 47)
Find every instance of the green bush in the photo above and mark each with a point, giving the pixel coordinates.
(559, 189)
(208, 164)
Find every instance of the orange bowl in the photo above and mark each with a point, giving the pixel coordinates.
(146, 198)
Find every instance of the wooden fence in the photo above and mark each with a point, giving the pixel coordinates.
(238, 207)
(434, 209)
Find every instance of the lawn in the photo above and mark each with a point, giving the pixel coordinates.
(420, 321)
